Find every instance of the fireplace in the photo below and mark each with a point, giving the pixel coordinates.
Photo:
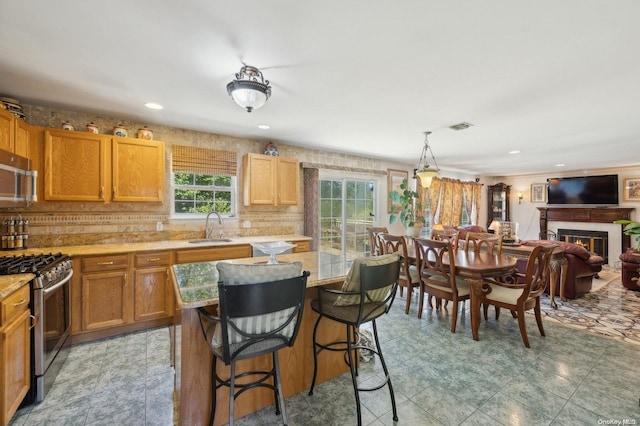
(594, 241)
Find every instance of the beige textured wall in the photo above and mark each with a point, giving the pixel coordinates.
(65, 223)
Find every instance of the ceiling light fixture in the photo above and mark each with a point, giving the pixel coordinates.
(264, 126)
(424, 171)
(249, 90)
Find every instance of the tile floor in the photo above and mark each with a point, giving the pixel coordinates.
(568, 377)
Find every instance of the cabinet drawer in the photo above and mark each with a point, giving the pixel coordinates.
(302, 246)
(104, 263)
(12, 305)
(216, 253)
(145, 260)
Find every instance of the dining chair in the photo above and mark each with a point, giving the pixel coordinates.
(409, 276)
(260, 311)
(450, 235)
(479, 241)
(521, 295)
(438, 278)
(366, 295)
(373, 232)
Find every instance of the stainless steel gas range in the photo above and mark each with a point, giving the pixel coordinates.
(51, 310)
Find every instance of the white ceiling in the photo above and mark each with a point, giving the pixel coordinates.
(557, 80)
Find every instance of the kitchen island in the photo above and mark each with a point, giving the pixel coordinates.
(196, 286)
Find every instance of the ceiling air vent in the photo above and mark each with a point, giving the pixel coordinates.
(461, 126)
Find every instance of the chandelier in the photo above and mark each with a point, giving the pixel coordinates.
(249, 90)
(424, 171)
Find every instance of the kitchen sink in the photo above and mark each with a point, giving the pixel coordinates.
(212, 240)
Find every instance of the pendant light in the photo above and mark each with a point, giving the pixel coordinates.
(249, 90)
(424, 171)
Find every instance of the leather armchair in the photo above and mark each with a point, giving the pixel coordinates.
(581, 266)
(630, 265)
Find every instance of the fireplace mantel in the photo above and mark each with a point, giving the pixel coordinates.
(586, 214)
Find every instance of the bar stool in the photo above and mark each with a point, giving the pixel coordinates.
(367, 294)
(260, 312)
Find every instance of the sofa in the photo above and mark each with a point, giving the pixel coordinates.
(582, 266)
(630, 265)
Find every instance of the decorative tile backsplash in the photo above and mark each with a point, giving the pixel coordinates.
(65, 223)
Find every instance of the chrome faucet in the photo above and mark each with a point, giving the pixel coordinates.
(207, 230)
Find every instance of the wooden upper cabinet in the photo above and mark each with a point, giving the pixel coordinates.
(80, 166)
(74, 166)
(138, 170)
(271, 181)
(6, 131)
(21, 138)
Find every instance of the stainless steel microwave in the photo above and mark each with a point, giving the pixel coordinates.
(17, 182)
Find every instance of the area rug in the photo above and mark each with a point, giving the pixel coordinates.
(609, 310)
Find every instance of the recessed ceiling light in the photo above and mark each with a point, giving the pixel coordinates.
(560, 165)
(515, 151)
(153, 105)
(264, 126)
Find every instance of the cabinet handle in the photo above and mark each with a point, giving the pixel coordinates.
(124, 280)
(153, 259)
(102, 192)
(105, 263)
(114, 191)
(21, 302)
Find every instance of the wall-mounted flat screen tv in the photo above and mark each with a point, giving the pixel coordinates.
(583, 190)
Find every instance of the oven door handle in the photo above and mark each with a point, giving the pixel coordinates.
(59, 284)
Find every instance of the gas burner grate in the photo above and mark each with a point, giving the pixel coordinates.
(34, 263)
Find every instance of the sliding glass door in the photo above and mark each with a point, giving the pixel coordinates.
(347, 208)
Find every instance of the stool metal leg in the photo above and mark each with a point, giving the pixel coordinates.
(386, 371)
(352, 370)
(280, 407)
(315, 356)
(214, 387)
(232, 391)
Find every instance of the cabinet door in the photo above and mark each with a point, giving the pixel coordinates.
(152, 296)
(74, 166)
(103, 299)
(138, 170)
(6, 131)
(15, 373)
(259, 174)
(21, 138)
(288, 181)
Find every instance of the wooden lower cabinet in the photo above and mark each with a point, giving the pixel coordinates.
(120, 293)
(213, 253)
(153, 295)
(15, 353)
(104, 299)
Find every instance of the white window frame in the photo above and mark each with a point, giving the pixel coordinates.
(200, 216)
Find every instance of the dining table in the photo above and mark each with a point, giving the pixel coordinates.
(474, 267)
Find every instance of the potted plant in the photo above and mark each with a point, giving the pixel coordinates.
(631, 228)
(406, 207)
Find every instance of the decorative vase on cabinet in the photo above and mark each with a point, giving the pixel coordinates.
(498, 203)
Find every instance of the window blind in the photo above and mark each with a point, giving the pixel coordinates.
(203, 161)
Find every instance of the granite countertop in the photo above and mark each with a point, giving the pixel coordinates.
(91, 249)
(11, 283)
(196, 284)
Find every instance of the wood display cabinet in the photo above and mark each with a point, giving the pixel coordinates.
(14, 134)
(270, 180)
(15, 351)
(498, 203)
(80, 166)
